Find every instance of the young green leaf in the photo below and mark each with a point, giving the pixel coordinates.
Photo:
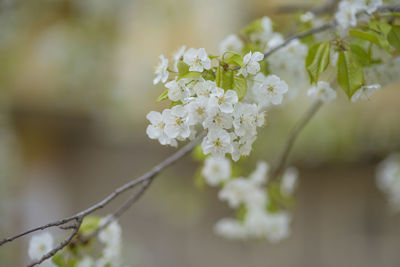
(361, 55)
(163, 96)
(252, 27)
(350, 73)
(182, 68)
(233, 58)
(89, 224)
(227, 79)
(239, 86)
(317, 60)
(192, 74)
(372, 37)
(394, 37)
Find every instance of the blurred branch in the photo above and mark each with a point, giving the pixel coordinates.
(323, 27)
(293, 136)
(145, 180)
(61, 245)
(328, 7)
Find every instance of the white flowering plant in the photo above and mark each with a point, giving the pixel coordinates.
(220, 101)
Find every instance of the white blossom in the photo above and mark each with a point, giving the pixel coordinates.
(250, 63)
(388, 180)
(245, 118)
(156, 128)
(230, 229)
(177, 90)
(204, 88)
(259, 175)
(289, 181)
(222, 100)
(269, 90)
(217, 120)
(40, 245)
(237, 191)
(197, 59)
(322, 91)
(266, 32)
(307, 17)
(111, 237)
(216, 170)
(372, 5)
(231, 43)
(242, 146)
(365, 92)
(85, 262)
(217, 143)
(161, 71)
(176, 125)
(197, 110)
(178, 56)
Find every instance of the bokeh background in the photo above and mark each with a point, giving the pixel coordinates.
(75, 87)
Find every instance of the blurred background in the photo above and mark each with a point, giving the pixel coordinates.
(75, 87)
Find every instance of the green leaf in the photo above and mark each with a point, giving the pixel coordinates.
(239, 86)
(198, 154)
(252, 47)
(380, 26)
(372, 37)
(190, 75)
(182, 68)
(253, 27)
(209, 75)
(264, 67)
(175, 103)
(163, 96)
(89, 224)
(394, 37)
(227, 79)
(361, 55)
(350, 73)
(317, 60)
(241, 213)
(233, 58)
(218, 77)
(59, 260)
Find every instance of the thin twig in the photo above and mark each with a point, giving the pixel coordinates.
(121, 210)
(149, 175)
(315, 30)
(292, 138)
(293, 8)
(60, 246)
(146, 179)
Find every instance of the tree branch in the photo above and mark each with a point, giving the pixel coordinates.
(293, 136)
(60, 246)
(145, 180)
(328, 7)
(321, 28)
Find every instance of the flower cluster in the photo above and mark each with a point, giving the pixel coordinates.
(346, 15)
(287, 62)
(111, 240)
(214, 98)
(388, 179)
(249, 196)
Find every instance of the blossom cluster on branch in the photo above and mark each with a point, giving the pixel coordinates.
(226, 97)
